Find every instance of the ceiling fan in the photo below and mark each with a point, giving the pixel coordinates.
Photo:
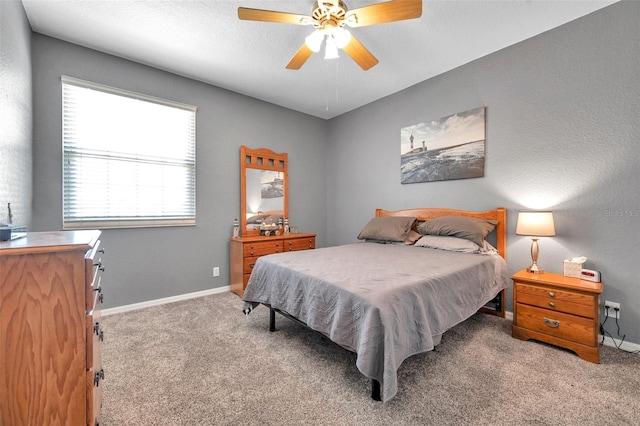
(329, 18)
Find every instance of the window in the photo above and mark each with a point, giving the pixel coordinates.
(128, 159)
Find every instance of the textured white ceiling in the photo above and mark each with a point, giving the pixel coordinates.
(206, 41)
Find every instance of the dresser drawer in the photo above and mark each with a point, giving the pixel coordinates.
(95, 336)
(94, 396)
(262, 248)
(557, 305)
(95, 372)
(554, 294)
(93, 272)
(299, 244)
(249, 263)
(558, 324)
(245, 280)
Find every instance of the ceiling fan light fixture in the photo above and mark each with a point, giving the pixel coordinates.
(329, 18)
(331, 50)
(342, 37)
(314, 41)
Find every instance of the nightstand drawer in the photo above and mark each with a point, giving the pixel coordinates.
(558, 305)
(564, 326)
(555, 294)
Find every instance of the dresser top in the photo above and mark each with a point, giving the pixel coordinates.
(42, 242)
(261, 238)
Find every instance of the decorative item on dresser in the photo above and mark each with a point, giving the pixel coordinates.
(50, 331)
(246, 250)
(560, 310)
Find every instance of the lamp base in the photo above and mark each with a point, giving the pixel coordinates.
(535, 269)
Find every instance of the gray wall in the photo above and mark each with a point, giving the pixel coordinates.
(15, 113)
(563, 127)
(150, 263)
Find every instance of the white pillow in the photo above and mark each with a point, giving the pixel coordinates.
(448, 243)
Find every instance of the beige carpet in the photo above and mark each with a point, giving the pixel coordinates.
(201, 362)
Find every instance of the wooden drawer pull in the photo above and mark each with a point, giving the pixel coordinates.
(551, 323)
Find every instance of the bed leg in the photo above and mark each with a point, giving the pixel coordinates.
(375, 390)
(272, 319)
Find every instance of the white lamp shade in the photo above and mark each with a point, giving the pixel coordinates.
(314, 40)
(535, 224)
(342, 37)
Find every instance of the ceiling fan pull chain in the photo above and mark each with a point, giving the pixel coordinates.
(336, 80)
(326, 84)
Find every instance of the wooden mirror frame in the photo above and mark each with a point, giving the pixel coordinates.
(261, 159)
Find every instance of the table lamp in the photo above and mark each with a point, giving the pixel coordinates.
(535, 224)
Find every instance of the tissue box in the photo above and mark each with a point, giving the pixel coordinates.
(572, 268)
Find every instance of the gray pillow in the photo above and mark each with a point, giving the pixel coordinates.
(387, 229)
(448, 243)
(469, 228)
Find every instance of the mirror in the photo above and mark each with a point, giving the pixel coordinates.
(264, 189)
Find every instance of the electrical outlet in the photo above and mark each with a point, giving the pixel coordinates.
(216, 271)
(611, 310)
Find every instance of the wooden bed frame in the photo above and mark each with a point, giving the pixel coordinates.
(424, 214)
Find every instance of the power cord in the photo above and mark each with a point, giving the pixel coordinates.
(606, 333)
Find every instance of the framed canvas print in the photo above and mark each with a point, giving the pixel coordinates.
(451, 147)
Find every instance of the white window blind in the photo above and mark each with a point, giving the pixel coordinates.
(129, 159)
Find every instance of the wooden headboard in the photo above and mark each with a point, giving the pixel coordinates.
(499, 214)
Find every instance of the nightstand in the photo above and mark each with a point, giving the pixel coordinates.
(559, 310)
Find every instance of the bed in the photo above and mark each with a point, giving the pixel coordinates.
(395, 293)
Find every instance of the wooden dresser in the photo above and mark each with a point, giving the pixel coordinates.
(244, 251)
(559, 310)
(50, 332)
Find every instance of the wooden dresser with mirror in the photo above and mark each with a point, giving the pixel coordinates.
(264, 203)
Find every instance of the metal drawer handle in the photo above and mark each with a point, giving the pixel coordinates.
(251, 265)
(551, 323)
(552, 294)
(99, 375)
(553, 305)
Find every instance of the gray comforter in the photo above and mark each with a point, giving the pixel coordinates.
(385, 302)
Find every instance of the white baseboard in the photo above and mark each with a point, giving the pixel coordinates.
(617, 343)
(156, 302)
